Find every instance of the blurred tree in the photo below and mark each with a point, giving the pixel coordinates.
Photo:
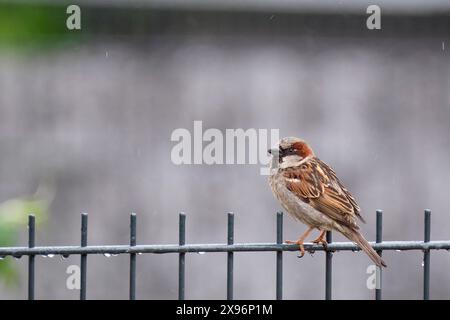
(26, 25)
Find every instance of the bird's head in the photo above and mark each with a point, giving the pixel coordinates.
(291, 149)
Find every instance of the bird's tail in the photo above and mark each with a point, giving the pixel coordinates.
(356, 236)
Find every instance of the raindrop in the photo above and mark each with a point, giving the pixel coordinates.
(64, 256)
(107, 255)
(140, 253)
(398, 250)
(201, 252)
(115, 254)
(17, 257)
(51, 255)
(423, 263)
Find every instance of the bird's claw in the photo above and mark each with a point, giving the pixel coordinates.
(302, 252)
(300, 244)
(321, 241)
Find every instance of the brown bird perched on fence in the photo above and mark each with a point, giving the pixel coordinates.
(310, 191)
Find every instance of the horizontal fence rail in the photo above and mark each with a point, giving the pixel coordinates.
(182, 248)
(219, 247)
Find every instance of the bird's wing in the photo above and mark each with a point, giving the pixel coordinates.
(316, 183)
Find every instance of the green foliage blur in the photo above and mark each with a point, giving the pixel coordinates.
(30, 25)
(13, 220)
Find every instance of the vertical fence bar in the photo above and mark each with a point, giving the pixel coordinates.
(379, 239)
(133, 257)
(31, 244)
(426, 256)
(328, 269)
(279, 282)
(182, 255)
(230, 258)
(84, 233)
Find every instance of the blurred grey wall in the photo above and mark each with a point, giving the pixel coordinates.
(96, 116)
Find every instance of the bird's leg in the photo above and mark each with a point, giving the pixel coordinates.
(321, 238)
(300, 241)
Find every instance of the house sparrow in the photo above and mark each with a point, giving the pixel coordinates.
(310, 191)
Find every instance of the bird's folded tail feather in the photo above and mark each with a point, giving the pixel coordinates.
(357, 237)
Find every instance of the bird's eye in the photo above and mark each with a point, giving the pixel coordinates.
(291, 149)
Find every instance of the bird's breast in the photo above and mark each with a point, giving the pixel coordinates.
(297, 208)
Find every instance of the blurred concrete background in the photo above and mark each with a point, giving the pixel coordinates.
(93, 111)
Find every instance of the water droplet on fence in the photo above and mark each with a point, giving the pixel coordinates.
(107, 255)
(140, 253)
(423, 263)
(64, 256)
(115, 254)
(354, 250)
(398, 250)
(17, 257)
(201, 252)
(51, 255)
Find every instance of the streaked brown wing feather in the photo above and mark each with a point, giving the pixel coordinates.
(335, 178)
(317, 184)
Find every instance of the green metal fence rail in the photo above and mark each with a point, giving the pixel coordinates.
(230, 247)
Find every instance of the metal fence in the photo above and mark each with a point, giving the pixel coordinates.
(230, 247)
